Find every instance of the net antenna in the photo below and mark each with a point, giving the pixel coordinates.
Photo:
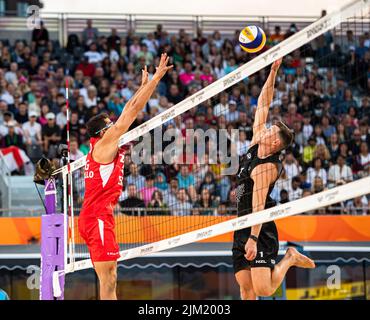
(325, 198)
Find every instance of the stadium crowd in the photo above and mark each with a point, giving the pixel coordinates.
(322, 92)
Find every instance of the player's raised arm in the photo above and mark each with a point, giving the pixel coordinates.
(265, 99)
(108, 146)
(138, 101)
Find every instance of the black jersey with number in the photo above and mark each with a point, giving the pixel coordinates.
(268, 243)
(245, 183)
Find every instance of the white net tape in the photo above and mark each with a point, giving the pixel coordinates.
(342, 193)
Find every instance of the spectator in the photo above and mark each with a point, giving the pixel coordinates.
(292, 30)
(182, 207)
(362, 161)
(316, 170)
(151, 43)
(291, 165)
(354, 144)
(323, 153)
(317, 185)
(91, 99)
(158, 203)
(87, 68)
(11, 75)
(134, 177)
(75, 152)
(132, 201)
(208, 183)
(283, 183)
(21, 115)
(205, 205)
(89, 34)
(277, 36)
(129, 90)
(61, 118)
(185, 178)
(170, 195)
(242, 144)
(292, 115)
(12, 138)
(334, 146)
(223, 106)
(32, 137)
(284, 196)
(40, 37)
(114, 41)
(134, 48)
(160, 182)
(51, 136)
(144, 54)
(358, 206)
(328, 129)
(295, 192)
(233, 115)
(174, 96)
(148, 190)
(93, 54)
(339, 173)
(187, 75)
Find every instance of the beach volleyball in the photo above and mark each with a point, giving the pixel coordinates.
(252, 39)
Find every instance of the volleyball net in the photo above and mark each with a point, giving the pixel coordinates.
(180, 182)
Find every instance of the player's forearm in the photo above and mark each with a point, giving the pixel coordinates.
(137, 103)
(267, 92)
(255, 230)
(144, 93)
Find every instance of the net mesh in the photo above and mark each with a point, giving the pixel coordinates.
(320, 90)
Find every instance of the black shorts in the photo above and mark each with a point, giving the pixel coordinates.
(267, 248)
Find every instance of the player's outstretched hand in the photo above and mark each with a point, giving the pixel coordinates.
(276, 64)
(144, 76)
(162, 68)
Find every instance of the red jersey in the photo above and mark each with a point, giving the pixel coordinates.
(103, 183)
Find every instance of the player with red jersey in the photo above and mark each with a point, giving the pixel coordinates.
(104, 182)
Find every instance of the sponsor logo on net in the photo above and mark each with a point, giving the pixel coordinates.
(280, 212)
(168, 115)
(229, 80)
(173, 241)
(204, 234)
(273, 53)
(198, 96)
(328, 197)
(147, 250)
(240, 223)
(316, 29)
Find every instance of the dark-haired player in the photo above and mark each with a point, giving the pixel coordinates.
(103, 182)
(255, 249)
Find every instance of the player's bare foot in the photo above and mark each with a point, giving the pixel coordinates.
(300, 260)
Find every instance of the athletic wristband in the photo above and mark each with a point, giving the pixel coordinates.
(253, 237)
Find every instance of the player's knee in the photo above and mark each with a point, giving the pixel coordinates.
(263, 291)
(109, 278)
(247, 293)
